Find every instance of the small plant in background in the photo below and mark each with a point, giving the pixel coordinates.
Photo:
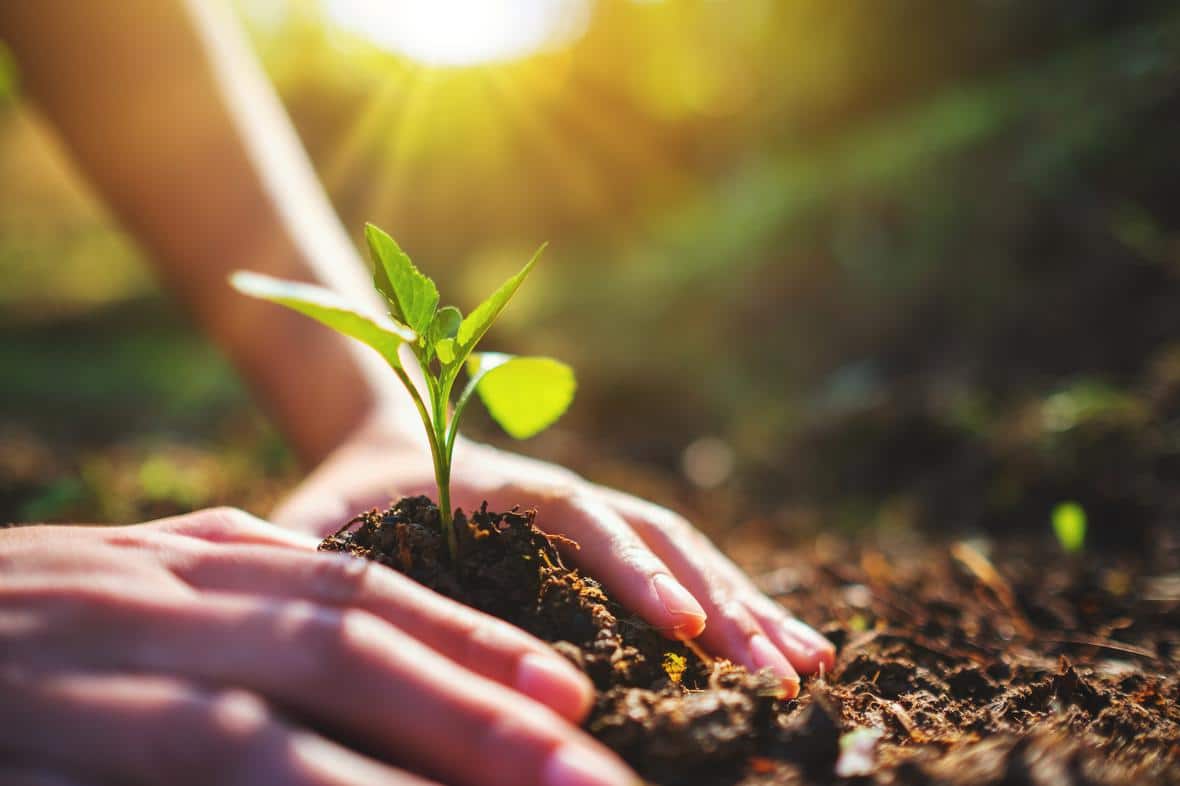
(524, 395)
(1069, 525)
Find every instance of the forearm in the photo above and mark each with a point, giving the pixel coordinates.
(170, 117)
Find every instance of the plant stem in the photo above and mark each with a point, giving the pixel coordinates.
(448, 442)
(442, 464)
(442, 473)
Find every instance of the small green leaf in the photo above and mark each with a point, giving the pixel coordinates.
(379, 332)
(412, 296)
(443, 328)
(445, 349)
(445, 324)
(525, 395)
(1069, 524)
(478, 321)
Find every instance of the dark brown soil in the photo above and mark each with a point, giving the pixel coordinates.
(955, 669)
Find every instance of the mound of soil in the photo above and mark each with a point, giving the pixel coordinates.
(953, 669)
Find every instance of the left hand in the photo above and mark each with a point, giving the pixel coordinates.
(650, 558)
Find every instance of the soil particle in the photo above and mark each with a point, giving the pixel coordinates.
(1023, 668)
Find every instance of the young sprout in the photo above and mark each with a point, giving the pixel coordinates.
(524, 395)
(1069, 525)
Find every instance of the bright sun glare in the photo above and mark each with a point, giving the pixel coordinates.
(463, 32)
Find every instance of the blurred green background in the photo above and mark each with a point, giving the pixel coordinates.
(907, 264)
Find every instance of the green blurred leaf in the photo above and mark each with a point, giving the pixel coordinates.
(476, 324)
(379, 332)
(412, 296)
(54, 498)
(525, 395)
(8, 74)
(1069, 525)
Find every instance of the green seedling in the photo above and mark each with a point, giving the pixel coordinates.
(1069, 525)
(525, 395)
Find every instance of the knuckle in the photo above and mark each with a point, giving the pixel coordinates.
(234, 519)
(355, 634)
(670, 527)
(234, 727)
(216, 522)
(766, 606)
(237, 717)
(212, 738)
(338, 578)
(517, 732)
(734, 612)
(485, 639)
(636, 554)
(306, 634)
(669, 522)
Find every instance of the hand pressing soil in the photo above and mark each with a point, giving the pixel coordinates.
(948, 675)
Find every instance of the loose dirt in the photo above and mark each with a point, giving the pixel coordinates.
(955, 666)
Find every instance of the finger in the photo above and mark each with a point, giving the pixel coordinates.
(142, 729)
(218, 525)
(609, 549)
(351, 671)
(734, 631)
(482, 643)
(806, 648)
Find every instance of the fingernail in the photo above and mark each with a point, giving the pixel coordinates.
(679, 602)
(767, 656)
(809, 637)
(555, 684)
(575, 765)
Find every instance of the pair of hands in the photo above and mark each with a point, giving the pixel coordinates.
(215, 647)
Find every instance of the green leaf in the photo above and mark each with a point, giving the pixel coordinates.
(443, 329)
(1069, 525)
(379, 332)
(412, 296)
(525, 395)
(478, 321)
(445, 349)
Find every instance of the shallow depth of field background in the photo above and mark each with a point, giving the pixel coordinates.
(910, 265)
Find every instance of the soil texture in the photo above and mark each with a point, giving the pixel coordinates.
(956, 666)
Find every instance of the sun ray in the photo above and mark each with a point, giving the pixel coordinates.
(397, 154)
(578, 182)
(358, 139)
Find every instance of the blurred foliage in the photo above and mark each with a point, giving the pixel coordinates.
(7, 75)
(898, 263)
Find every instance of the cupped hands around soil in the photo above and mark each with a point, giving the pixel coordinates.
(955, 667)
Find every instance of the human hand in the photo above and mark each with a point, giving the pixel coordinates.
(216, 648)
(651, 559)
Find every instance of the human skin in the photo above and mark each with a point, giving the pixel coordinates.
(196, 156)
(169, 116)
(215, 648)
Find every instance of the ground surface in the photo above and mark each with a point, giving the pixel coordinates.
(956, 666)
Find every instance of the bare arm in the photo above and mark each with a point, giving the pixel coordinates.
(167, 112)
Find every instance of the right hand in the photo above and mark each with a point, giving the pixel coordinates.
(217, 648)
